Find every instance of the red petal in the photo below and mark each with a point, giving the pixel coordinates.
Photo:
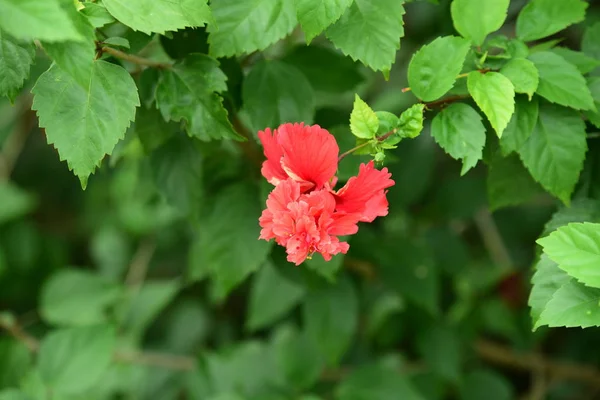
(310, 153)
(364, 194)
(271, 168)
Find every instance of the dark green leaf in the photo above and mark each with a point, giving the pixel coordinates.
(16, 58)
(475, 19)
(509, 183)
(542, 18)
(15, 202)
(594, 116)
(15, 361)
(316, 15)
(152, 129)
(590, 43)
(546, 280)
(486, 384)
(520, 125)
(441, 349)
(573, 304)
(580, 210)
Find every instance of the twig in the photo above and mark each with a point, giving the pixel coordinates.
(135, 59)
(492, 238)
(13, 145)
(447, 100)
(360, 146)
(163, 360)
(15, 330)
(502, 355)
(138, 268)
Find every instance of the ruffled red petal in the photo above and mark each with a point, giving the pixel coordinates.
(271, 167)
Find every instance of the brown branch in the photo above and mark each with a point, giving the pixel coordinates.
(135, 59)
(445, 101)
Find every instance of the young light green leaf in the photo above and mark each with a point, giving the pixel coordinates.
(72, 360)
(330, 317)
(189, 92)
(555, 151)
(89, 297)
(542, 18)
(160, 15)
(594, 86)
(523, 74)
(520, 126)
(475, 19)
(583, 62)
(433, 69)
(16, 58)
(246, 26)
(272, 295)
(15, 202)
(573, 304)
(34, 19)
(370, 31)
(410, 123)
(561, 82)
(97, 14)
(509, 183)
(316, 15)
(459, 131)
(576, 250)
(495, 96)
(363, 121)
(546, 280)
(275, 92)
(85, 123)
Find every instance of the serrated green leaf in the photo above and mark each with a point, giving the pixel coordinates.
(441, 348)
(475, 19)
(573, 304)
(495, 95)
(576, 250)
(327, 70)
(542, 18)
(561, 82)
(581, 210)
(316, 15)
(509, 183)
(228, 238)
(370, 31)
(275, 92)
(160, 15)
(298, 357)
(97, 14)
(520, 126)
(117, 42)
(16, 58)
(72, 360)
(190, 92)
(272, 295)
(330, 315)
(363, 120)
(410, 123)
(459, 131)
(594, 86)
(555, 151)
(579, 59)
(89, 296)
(15, 202)
(546, 280)
(33, 19)
(433, 69)
(246, 26)
(523, 74)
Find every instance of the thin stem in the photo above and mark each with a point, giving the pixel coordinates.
(492, 238)
(135, 59)
(16, 331)
(447, 100)
(360, 146)
(138, 268)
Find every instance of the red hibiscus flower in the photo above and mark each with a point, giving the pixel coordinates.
(304, 214)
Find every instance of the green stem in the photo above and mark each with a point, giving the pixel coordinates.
(360, 146)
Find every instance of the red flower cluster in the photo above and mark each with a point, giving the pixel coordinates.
(304, 214)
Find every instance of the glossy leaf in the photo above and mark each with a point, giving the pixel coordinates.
(475, 19)
(495, 95)
(523, 74)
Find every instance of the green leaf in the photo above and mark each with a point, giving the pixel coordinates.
(576, 250)
(177, 170)
(542, 18)
(160, 15)
(117, 42)
(459, 131)
(376, 381)
(573, 304)
(331, 317)
(15, 202)
(590, 44)
(275, 92)
(594, 116)
(520, 126)
(486, 384)
(247, 26)
(316, 15)
(523, 74)
(272, 295)
(16, 58)
(441, 349)
(546, 280)
(13, 394)
(152, 129)
(89, 296)
(475, 19)
(15, 361)
(555, 151)
(72, 360)
(34, 19)
(433, 69)
(327, 70)
(580, 210)
(97, 14)
(228, 238)
(579, 59)
(509, 183)
(298, 357)
(410, 123)
(327, 269)
(370, 31)
(561, 82)
(495, 95)
(189, 92)
(363, 121)
(85, 123)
